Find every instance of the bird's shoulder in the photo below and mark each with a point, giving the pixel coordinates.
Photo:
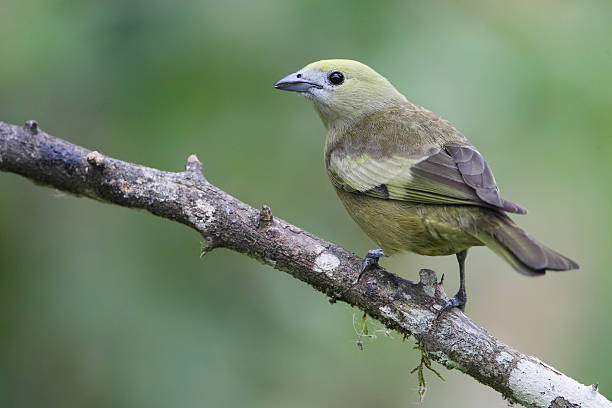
(405, 129)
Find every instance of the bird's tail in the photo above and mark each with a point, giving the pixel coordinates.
(524, 253)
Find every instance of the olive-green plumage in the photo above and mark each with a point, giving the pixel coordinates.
(409, 178)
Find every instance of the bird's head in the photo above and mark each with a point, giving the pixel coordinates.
(343, 91)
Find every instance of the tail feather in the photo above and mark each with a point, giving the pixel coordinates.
(558, 262)
(522, 246)
(521, 251)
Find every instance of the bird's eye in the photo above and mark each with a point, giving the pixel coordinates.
(336, 77)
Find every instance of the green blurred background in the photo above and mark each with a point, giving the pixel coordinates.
(102, 306)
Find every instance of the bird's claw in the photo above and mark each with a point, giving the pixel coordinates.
(459, 300)
(370, 259)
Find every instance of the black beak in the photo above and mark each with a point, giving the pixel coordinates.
(296, 83)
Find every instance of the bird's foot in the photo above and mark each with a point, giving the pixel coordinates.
(459, 300)
(370, 259)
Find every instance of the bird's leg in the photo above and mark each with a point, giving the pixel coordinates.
(460, 298)
(370, 259)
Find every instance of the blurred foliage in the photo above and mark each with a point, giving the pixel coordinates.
(103, 306)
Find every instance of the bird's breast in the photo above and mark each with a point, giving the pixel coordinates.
(421, 228)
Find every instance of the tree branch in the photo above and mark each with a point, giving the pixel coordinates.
(452, 339)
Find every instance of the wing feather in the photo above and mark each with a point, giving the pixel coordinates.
(456, 174)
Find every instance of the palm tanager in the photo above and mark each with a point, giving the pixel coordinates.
(409, 178)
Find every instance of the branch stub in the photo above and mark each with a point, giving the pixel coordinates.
(32, 126)
(427, 277)
(265, 217)
(194, 167)
(95, 159)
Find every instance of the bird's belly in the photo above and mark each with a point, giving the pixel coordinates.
(425, 229)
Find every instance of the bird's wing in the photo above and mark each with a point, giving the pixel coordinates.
(455, 174)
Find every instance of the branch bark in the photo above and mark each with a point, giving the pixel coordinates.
(452, 339)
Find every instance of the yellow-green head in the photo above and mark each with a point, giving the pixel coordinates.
(342, 91)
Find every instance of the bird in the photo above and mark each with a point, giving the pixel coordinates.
(410, 179)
